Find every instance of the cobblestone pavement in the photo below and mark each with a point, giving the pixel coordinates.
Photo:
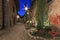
(17, 32)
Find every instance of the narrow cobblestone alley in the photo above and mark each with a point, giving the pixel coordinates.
(29, 19)
(9, 28)
(18, 32)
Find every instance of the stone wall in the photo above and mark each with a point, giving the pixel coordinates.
(9, 13)
(54, 13)
(1, 14)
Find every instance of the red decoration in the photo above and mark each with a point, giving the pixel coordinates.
(55, 20)
(53, 33)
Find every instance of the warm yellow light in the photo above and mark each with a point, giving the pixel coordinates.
(18, 16)
(26, 8)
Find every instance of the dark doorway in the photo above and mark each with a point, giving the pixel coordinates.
(3, 14)
(49, 1)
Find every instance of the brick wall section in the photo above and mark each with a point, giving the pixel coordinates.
(13, 12)
(9, 14)
(6, 14)
(0, 14)
(54, 12)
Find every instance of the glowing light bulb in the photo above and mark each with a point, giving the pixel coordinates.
(26, 8)
(17, 16)
(28, 13)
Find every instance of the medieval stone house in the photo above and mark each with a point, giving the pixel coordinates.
(7, 13)
(1, 13)
(54, 13)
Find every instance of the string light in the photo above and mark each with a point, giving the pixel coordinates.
(26, 8)
(17, 17)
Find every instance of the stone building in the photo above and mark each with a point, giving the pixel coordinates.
(8, 13)
(1, 14)
(54, 13)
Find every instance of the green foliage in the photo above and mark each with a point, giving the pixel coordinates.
(42, 19)
(41, 14)
(34, 34)
(48, 29)
(44, 34)
(47, 36)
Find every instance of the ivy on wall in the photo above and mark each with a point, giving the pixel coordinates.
(42, 14)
